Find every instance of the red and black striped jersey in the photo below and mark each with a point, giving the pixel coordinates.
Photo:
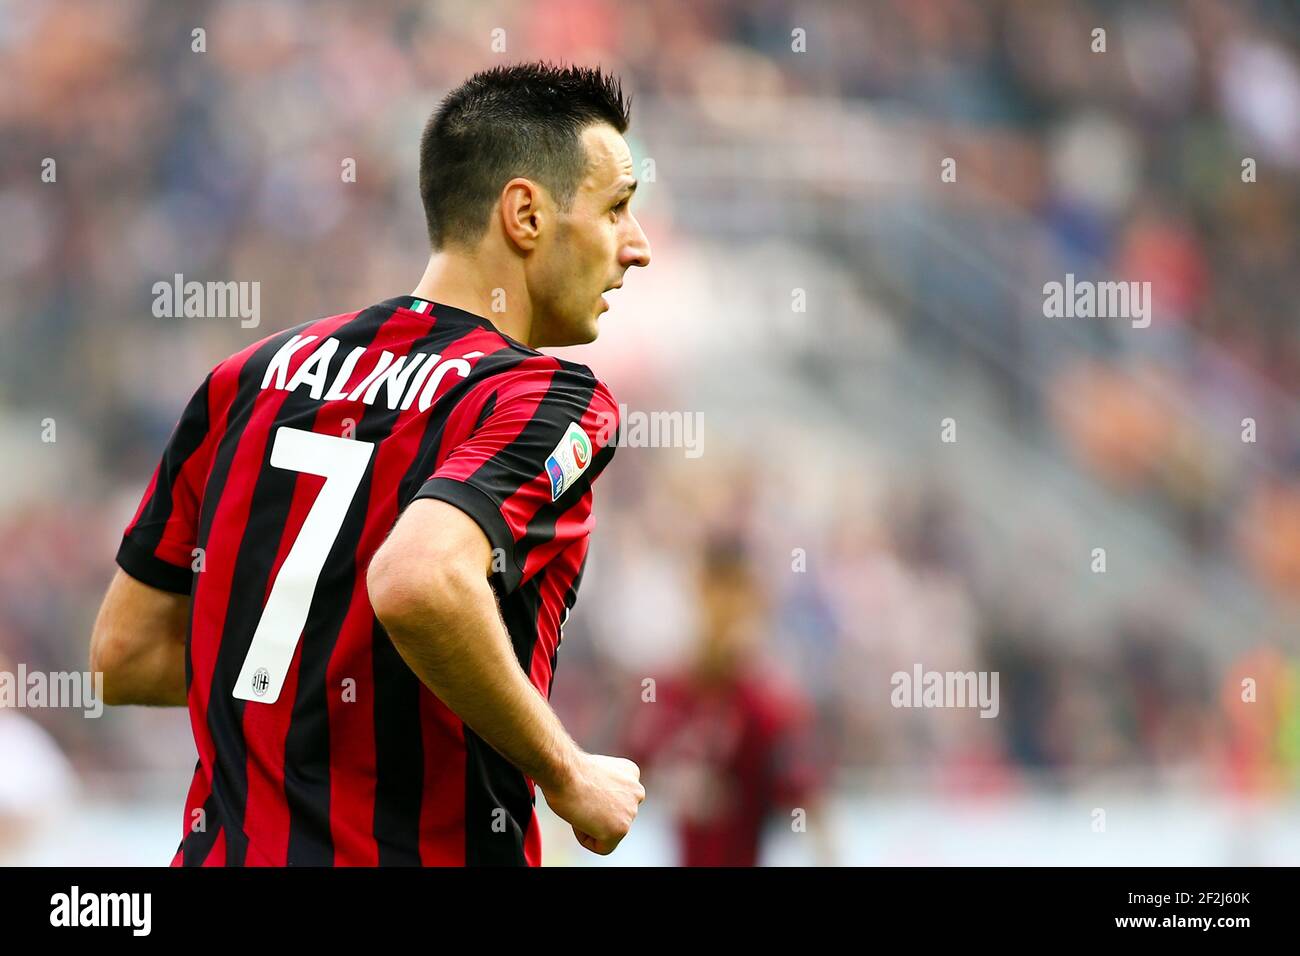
(317, 745)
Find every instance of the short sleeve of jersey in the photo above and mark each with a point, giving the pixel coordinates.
(523, 470)
(157, 546)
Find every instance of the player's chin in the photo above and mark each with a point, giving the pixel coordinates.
(572, 328)
(583, 332)
(580, 327)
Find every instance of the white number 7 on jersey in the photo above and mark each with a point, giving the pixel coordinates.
(342, 463)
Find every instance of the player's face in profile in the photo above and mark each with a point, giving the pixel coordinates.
(595, 242)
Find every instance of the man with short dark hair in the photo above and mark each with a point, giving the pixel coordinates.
(372, 526)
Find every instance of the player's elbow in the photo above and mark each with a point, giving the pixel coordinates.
(408, 595)
(432, 568)
(103, 656)
(392, 595)
(110, 655)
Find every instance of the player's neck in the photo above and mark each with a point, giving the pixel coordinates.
(462, 282)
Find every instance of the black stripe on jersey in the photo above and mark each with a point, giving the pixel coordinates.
(520, 618)
(571, 595)
(399, 749)
(196, 850)
(226, 801)
(141, 563)
(570, 599)
(492, 783)
(399, 755)
(136, 555)
(486, 411)
(195, 847)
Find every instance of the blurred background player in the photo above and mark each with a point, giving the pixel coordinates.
(728, 745)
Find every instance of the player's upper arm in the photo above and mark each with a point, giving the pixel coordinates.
(136, 624)
(418, 571)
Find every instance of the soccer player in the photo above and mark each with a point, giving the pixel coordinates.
(358, 551)
(728, 744)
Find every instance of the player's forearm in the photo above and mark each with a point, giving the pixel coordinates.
(456, 644)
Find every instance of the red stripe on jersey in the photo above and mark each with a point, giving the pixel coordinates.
(556, 582)
(218, 855)
(442, 807)
(352, 736)
(533, 837)
(222, 389)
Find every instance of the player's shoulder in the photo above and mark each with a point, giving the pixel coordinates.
(542, 377)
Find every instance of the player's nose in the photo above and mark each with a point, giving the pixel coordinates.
(635, 251)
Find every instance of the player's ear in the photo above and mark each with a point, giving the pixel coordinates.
(521, 212)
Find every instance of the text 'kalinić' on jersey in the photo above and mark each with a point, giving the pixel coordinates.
(317, 745)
